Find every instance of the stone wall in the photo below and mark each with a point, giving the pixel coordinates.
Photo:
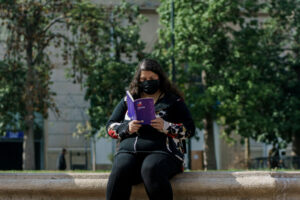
(245, 185)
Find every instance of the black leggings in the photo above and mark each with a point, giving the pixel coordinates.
(154, 169)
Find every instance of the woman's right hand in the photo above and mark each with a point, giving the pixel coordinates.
(134, 126)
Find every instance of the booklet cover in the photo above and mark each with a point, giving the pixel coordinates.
(140, 109)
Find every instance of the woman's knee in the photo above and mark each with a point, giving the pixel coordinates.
(119, 171)
(154, 171)
(150, 170)
(159, 167)
(123, 166)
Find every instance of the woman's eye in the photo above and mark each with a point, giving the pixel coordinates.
(148, 79)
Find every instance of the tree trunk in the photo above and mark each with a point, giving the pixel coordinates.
(28, 145)
(209, 140)
(28, 142)
(247, 153)
(94, 153)
(296, 144)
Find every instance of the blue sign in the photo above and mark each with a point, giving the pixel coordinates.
(13, 135)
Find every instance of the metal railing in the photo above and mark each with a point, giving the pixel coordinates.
(284, 162)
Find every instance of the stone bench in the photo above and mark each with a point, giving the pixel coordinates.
(187, 186)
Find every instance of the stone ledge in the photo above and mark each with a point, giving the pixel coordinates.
(187, 186)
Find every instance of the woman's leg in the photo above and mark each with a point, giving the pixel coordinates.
(156, 171)
(121, 179)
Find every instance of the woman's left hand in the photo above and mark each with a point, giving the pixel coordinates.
(158, 124)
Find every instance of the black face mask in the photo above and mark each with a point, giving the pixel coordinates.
(150, 87)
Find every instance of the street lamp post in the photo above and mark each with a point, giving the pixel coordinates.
(174, 72)
(173, 42)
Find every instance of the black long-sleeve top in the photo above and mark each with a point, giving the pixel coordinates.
(178, 125)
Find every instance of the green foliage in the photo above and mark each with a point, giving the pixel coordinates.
(101, 43)
(105, 56)
(11, 81)
(259, 76)
(106, 87)
(239, 62)
(201, 48)
(27, 30)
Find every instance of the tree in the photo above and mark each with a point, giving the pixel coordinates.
(109, 54)
(108, 64)
(28, 33)
(261, 95)
(31, 27)
(201, 47)
(236, 67)
(286, 16)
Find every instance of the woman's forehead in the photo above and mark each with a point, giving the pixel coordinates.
(147, 73)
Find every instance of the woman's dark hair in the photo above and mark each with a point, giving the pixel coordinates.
(165, 85)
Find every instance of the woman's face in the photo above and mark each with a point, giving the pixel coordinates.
(148, 75)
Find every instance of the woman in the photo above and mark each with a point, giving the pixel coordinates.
(153, 153)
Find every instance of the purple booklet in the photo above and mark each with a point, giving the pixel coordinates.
(140, 109)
